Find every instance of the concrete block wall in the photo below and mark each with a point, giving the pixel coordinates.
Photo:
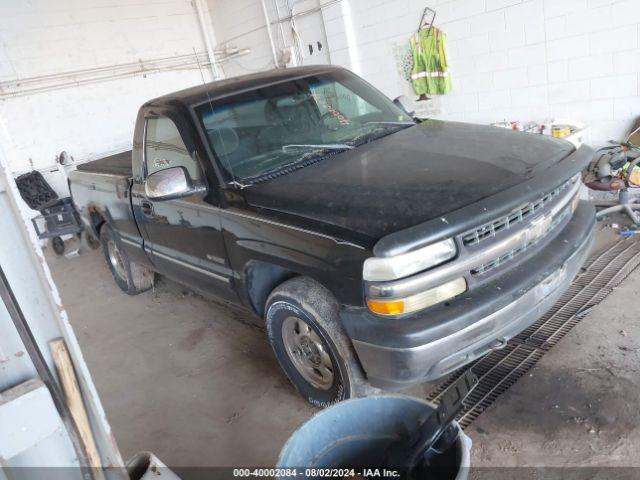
(44, 37)
(509, 59)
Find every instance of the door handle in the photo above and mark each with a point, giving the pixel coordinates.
(147, 208)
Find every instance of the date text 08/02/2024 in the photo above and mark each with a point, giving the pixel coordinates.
(315, 473)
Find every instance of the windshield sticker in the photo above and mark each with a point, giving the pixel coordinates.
(334, 112)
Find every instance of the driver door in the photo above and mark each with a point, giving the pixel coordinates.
(182, 236)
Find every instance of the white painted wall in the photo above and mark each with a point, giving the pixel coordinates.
(40, 37)
(510, 59)
(241, 23)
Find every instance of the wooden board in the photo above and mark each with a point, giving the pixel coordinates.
(74, 400)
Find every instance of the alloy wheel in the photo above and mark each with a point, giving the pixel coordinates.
(308, 353)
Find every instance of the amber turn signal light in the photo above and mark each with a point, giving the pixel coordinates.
(395, 307)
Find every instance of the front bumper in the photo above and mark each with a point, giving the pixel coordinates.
(397, 353)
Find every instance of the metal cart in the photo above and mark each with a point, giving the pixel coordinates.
(57, 219)
(58, 216)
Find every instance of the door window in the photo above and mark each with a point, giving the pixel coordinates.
(164, 148)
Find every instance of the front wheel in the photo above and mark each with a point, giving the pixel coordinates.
(310, 344)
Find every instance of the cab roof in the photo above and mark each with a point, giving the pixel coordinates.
(202, 93)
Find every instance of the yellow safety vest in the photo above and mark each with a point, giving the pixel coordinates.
(430, 74)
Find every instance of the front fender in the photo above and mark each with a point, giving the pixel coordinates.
(334, 264)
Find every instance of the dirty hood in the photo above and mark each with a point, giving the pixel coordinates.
(410, 177)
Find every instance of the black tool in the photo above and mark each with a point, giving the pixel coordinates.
(436, 430)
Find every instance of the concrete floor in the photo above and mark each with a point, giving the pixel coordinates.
(178, 375)
(194, 382)
(579, 405)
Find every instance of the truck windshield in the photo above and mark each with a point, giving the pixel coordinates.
(278, 128)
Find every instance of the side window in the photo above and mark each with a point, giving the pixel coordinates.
(164, 148)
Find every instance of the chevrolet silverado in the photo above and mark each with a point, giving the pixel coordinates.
(380, 250)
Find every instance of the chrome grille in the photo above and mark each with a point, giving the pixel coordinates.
(489, 230)
(496, 262)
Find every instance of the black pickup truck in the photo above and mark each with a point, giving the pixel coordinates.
(381, 250)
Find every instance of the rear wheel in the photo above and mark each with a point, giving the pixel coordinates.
(88, 241)
(131, 277)
(310, 344)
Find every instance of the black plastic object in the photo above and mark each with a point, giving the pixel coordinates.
(415, 451)
(35, 190)
(61, 214)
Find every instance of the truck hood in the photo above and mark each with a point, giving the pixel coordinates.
(410, 177)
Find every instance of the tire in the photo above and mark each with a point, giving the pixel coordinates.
(88, 241)
(310, 344)
(131, 277)
(57, 245)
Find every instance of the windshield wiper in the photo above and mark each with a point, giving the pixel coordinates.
(327, 146)
(315, 155)
(391, 123)
(374, 134)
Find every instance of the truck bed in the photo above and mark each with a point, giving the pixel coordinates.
(118, 164)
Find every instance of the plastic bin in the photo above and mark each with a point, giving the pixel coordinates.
(358, 433)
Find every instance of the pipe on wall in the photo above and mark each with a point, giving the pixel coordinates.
(306, 12)
(139, 64)
(74, 78)
(270, 34)
(207, 32)
(282, 37)
(283, 20)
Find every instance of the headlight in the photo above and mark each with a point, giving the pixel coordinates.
(400, 266)
(419, 301)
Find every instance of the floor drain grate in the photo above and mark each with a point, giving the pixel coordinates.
(500, 369)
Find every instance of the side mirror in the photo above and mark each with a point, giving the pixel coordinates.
(405, 104)
(174, 182)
